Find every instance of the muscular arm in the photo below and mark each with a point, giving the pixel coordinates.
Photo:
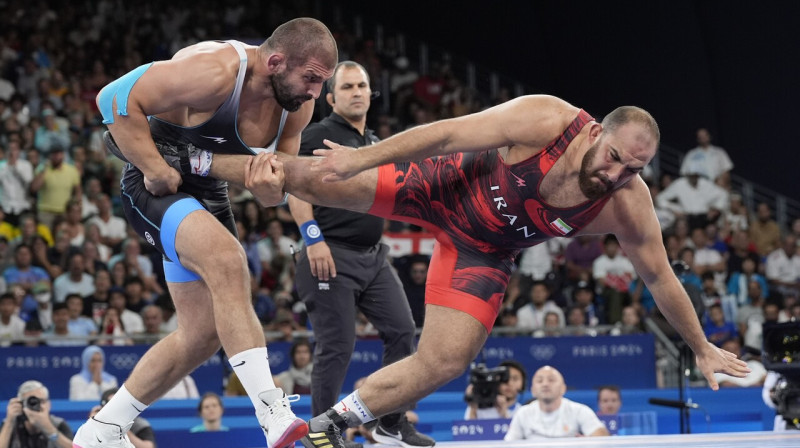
(630, 216)
(199, 81)
(530, 120)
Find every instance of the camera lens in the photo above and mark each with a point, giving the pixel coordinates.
(33, 403)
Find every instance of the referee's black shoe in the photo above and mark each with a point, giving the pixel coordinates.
(400, 432)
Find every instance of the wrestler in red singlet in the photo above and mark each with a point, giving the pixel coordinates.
(482, 212)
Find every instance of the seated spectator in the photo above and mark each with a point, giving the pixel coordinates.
(740, 248)
(79, 325)
(552, 415)
(764, 231)
(716, 328)
(579, 256)
(783, 267)
(28, 422)
(132, 322)
(112, 329)
(712, 162)
(92, 380)
(553, 327)
(695, 198)
(613, 272)
(583, 298)
(297, 379)
(750, 316)
(152, 317)
(75, 280)
(12, 327)
(576, 323)
(210, 410)
(185, 389)
(609, 400)
(23, 276)
(95, 305)
(631, 322)
(757, 371)
(739, 283)
(140, 434)
(508, 394)
(59, 334)
(531, 316)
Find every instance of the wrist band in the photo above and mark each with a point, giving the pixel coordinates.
(311, 232)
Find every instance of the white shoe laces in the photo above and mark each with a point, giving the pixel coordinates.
(280, 411)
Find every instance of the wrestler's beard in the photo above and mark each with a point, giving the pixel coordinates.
(284, 95)
(591, 189)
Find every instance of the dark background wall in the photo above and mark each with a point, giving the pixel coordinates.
(728, 66)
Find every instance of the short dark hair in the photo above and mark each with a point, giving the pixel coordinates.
(209, 395)
(72, 296)
(510, 363)
(627, 114)
(7, 296)
(301, 39)
(331, 82)
(612, 387)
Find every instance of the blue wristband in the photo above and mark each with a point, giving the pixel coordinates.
(311, 232)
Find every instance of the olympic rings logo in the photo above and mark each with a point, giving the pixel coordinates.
(123, 361)
(543, 352)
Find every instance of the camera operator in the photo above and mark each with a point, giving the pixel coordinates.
(28, 422)
(495, 396)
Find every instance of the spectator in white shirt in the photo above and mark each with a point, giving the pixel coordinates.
(131, 321)
(552, 415)
(695, 197)
(711, 162)
(613, 272)
(92, 380)
(783, 267)
(12, 327)
(531, 315)
(16, 176)
(75, 280)
(113, 229)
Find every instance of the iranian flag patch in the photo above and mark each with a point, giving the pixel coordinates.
(561, 226)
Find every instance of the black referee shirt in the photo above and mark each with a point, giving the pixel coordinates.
(338, 225)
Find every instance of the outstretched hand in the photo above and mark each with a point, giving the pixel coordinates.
(339, 162)
(264, 177)
(717, 360)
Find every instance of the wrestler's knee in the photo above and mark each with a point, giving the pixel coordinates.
(441, 363)
(223, 262)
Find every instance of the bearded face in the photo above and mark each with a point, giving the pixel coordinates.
(284, 94)
(593, 184)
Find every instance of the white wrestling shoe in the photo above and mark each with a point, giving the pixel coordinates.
(281, 427)
(96, 434)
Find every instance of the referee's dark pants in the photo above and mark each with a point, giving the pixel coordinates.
(366, 281)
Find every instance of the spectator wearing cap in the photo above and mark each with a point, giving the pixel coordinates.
(55, 183)
(141, 433)
(92, 380)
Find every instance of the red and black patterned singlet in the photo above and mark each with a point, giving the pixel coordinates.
(483, 212)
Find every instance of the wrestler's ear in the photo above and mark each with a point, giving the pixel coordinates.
(275, 61)
(330, 99)
(595, 131)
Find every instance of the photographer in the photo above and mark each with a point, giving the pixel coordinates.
(493, 393)
(28, 422)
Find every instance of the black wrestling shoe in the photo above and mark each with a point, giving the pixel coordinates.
(402, 433)
(324, 431)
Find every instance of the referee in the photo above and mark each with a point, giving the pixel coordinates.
(344, 268)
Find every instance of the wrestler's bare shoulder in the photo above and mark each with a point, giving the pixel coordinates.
(534, 121)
